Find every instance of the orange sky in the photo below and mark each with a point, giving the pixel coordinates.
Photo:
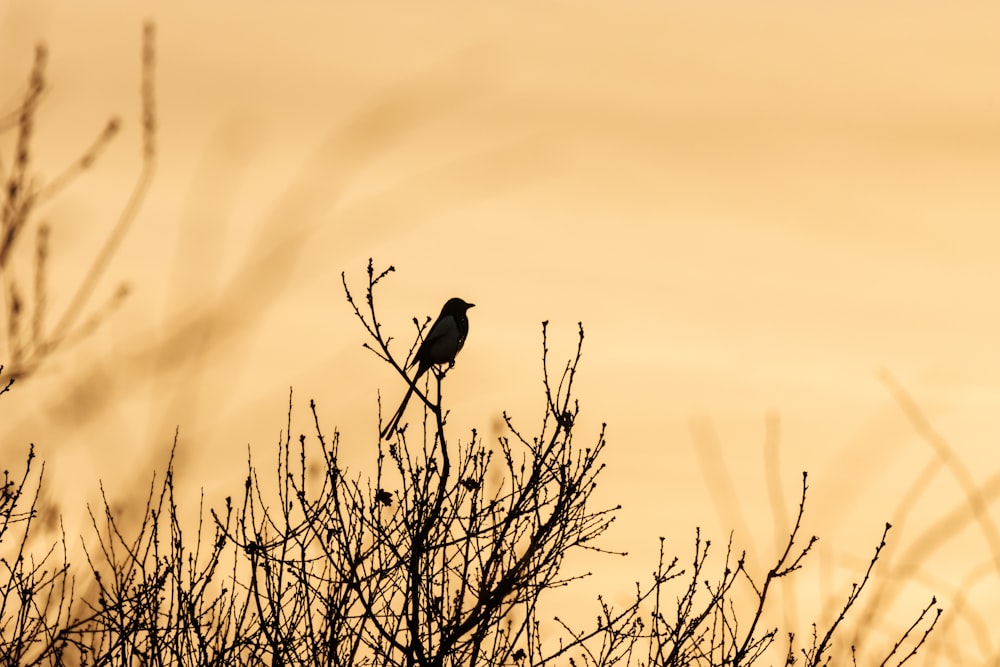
(753, 209)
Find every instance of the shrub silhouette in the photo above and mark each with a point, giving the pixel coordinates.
(442, 557)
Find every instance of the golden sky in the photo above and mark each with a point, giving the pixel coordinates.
(754, 208)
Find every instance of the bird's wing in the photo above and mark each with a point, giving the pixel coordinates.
(443, 342)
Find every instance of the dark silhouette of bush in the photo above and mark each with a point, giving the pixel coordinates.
(442, 557)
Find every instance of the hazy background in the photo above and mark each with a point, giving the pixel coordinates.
(754, 208)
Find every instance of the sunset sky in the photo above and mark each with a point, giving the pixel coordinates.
(761, 212)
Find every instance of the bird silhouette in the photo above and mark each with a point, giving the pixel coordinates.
(444, 340)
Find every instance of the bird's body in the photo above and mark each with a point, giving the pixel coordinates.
(444, 341)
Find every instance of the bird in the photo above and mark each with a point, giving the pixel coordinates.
(443, 342)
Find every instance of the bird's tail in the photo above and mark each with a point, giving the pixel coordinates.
(394, 422)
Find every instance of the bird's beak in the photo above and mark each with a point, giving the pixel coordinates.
(472, 305)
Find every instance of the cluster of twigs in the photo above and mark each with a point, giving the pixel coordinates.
(151, 598)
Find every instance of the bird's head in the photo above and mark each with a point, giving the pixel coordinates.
(456, 306)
